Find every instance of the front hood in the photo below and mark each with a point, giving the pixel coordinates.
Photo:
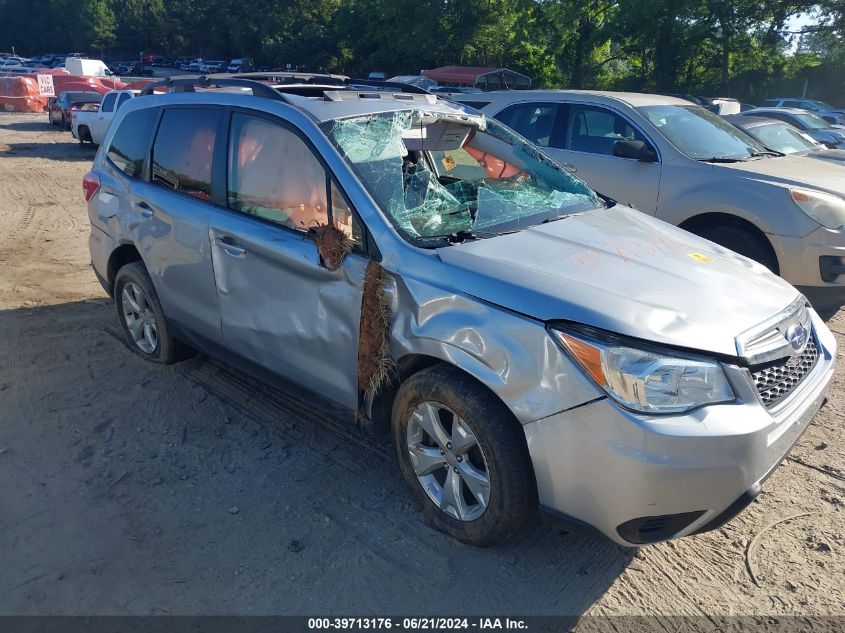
(625, 272)
(837, 156)
(791, 171)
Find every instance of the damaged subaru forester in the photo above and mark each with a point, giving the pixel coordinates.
(531, 344)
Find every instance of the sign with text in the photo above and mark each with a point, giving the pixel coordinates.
(45, 86)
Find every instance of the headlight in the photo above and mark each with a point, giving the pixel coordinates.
(643, 379)
(824, 208)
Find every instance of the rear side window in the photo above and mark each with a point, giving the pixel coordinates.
(108, 102)
(123, 99)
(130, 141)
(184, 149)
(534, 122)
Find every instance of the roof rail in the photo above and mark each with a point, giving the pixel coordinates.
(188, 84)
(350, 94)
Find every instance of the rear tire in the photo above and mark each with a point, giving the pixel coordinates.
(142, 319)
(743, 241)
(477, 439)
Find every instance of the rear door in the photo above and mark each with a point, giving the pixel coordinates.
(281, 306)
(170, 213)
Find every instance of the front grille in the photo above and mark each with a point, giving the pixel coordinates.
(776, 381)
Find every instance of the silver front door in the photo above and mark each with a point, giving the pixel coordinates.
(281, 306)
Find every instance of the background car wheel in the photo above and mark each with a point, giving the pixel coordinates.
(142, 318)
(464, 457)
(743, 241)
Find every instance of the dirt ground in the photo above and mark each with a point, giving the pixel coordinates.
(128, 488)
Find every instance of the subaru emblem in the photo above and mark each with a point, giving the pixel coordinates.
(798, 336)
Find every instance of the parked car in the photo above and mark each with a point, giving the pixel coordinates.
(59, 109)
(819, 108)
(832, 136)
(241, 65)
(9, 63)
(215, 65)
(147, 58)
(198, 66)
(377, 75)
(90, 126)
(544, 346)
(133, 69)
(683, 164)
(414, 80)
(785, 138)
(181, 61)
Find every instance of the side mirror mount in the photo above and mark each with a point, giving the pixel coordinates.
(638, 150)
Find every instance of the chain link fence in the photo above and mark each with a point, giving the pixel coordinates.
(31, 92)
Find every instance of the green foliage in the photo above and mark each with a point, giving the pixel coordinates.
(738, 48)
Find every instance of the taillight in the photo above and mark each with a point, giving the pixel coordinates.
(90, 185)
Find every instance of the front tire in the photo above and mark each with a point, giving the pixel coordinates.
(464, 457)
(141, 317)
(743, 241)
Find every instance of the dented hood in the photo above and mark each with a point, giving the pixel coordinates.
(625, 272)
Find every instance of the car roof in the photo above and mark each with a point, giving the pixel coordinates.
(337, 98)
(633, 99)
(746, 121)
(785, 110)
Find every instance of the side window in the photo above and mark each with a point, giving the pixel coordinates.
(595, 130)
(129, 143)
(534, 122)
(183, 151)
(809, 105)
(274, 175)
(123, 99)
(344, 219)
(791, 104)
(108, 102)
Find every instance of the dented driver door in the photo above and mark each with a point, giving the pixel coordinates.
(281, 306)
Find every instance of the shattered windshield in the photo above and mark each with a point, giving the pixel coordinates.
(439, 174)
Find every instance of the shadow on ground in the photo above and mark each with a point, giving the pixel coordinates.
(31, 126)
(133, 488)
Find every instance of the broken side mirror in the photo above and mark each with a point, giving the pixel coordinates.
(638, 150)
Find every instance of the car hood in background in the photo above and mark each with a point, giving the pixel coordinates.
(625, 272)
(792, 171)
(836, 156)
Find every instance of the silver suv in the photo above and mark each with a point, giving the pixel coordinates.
(530, 343)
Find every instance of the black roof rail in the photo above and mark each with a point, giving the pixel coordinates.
(388, 85)
(188, 84)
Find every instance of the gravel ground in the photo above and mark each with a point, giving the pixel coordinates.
(130, 488)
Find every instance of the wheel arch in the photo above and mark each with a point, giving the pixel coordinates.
(122, 255)
(381, 407)
(698, 223)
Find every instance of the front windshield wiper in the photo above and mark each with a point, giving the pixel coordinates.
(769, 152)
(471, 234)
(722, 159)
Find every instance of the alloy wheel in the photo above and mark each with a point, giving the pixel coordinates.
(448, 461)
(139, 317)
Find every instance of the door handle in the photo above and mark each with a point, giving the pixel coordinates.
(146, 210)
(570, 167)
(230, 247)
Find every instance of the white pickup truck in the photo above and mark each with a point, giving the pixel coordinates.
(91, 125)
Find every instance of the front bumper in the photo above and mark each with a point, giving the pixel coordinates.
(806, 262)
(630, 476)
